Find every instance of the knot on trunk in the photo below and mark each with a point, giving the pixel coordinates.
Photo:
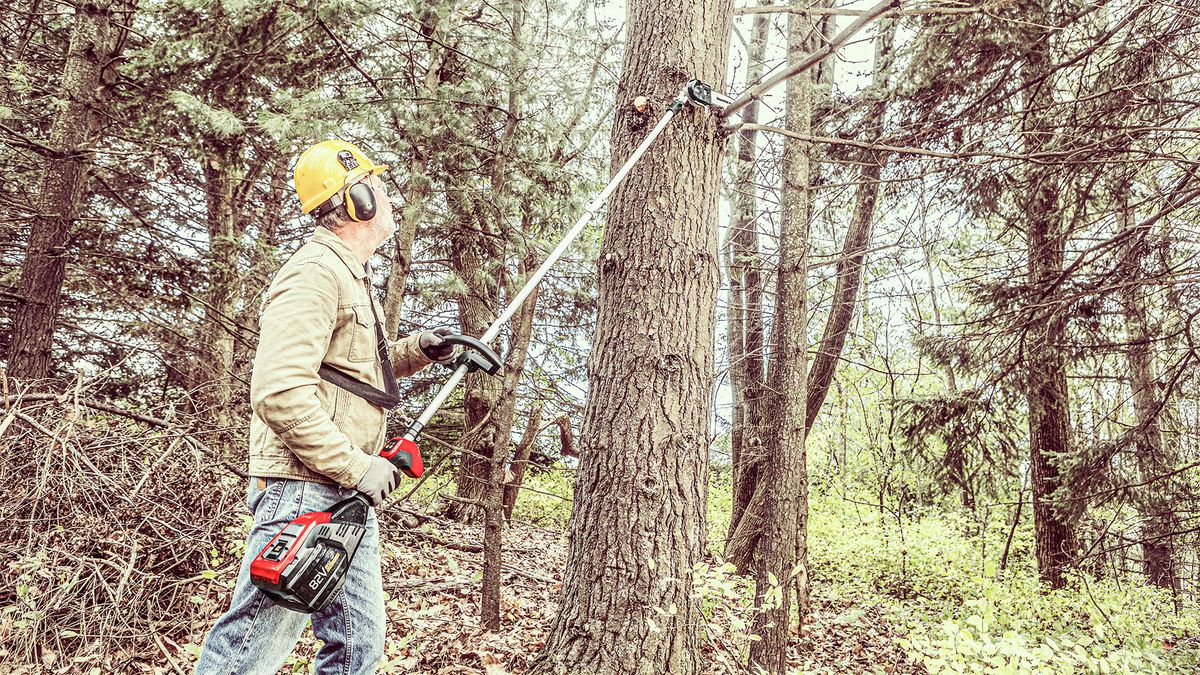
(648, 486)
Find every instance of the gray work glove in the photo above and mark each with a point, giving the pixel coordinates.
(378, 482)
(435, 348)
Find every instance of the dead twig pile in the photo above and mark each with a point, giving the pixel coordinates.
(112, 523)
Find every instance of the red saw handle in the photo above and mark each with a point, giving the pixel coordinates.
(405, 454)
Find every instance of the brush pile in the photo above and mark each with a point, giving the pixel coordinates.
(113, 523)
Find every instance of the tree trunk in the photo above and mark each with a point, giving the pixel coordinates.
(745, 526)
(482, 393)
(638, 525)
(96, 39)
(264, 261)
(858, 235)
(501, 422)
(212, 376)
(849, 279)
(520, 460)
(493, 558)
(1159, 520)
(1049, 410)
(417, 190)
(402, 241)
(490, 407)
(784, 482)
(745, 319)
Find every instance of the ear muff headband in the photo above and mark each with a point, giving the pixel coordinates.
(360, 202)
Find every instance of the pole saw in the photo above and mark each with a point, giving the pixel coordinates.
(304, 566)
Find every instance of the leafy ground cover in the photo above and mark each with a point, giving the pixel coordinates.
(920, 592)
(433, 625)
(954, 610)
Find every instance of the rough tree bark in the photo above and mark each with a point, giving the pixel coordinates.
(638, 525)
(781, 554)
(1046, 375)
(97, 36)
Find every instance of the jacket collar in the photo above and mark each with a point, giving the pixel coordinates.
(335, 244)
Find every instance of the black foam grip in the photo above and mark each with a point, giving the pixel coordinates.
(476, 346)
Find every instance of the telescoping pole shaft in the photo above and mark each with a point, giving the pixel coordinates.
(540, 273)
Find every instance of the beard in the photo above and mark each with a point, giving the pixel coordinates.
(382, 229)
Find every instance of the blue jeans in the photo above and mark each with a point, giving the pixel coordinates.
(256, 635)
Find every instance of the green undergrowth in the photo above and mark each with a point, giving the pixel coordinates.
(939, 577)
(547, 502)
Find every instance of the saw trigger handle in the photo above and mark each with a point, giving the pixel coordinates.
(405, 455)
(475, 355)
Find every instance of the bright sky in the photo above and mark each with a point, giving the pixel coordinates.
(854, 60)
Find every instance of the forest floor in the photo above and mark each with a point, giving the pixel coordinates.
(145, 566)
(433, 613)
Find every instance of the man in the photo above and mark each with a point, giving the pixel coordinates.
(311, 443)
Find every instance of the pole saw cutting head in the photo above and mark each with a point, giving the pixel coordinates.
(705, 96)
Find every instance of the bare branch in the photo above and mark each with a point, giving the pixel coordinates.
(840, 11)
(900, 150)
(755, 92)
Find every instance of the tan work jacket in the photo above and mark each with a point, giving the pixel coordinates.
(317, 310)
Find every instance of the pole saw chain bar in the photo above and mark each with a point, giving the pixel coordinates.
(703, 95)
(699, 94)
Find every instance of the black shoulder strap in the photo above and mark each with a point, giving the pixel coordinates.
(359, 388)
(384, 399)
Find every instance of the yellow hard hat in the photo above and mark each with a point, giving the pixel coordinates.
(325, 168)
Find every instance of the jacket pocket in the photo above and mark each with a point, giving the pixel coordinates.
(362, 334)
(340, 397)
(364, 424)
